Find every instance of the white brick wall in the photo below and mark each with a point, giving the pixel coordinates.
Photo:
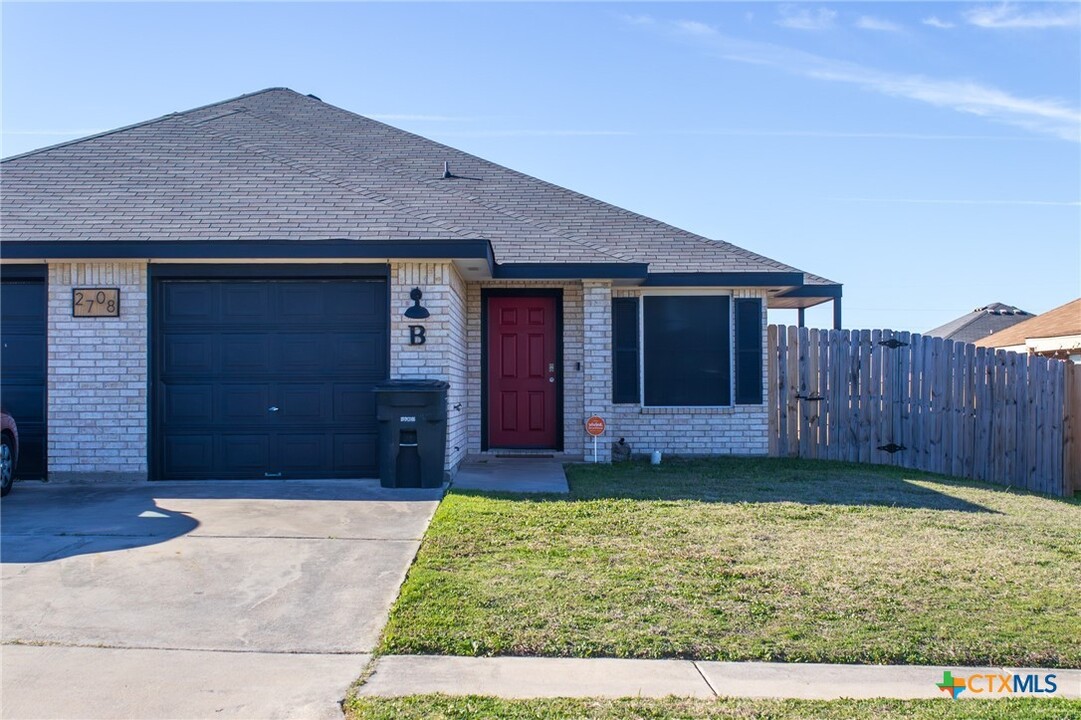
(597, 328)
(443, 356)
(736, 430)
(97, 377)
(97, 381)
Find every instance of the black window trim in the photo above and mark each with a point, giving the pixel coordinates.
(759, 393)
(636, 300)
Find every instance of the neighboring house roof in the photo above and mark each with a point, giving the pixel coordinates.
(980, 323)
(276, 165)
(1063, 321)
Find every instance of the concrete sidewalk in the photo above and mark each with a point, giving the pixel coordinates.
(519, 677)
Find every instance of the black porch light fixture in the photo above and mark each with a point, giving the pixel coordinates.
(415, 311)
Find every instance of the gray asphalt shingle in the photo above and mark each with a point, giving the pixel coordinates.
(278, 165)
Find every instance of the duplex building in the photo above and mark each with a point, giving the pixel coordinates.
(213, 294)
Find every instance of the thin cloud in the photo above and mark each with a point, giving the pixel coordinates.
(536, 133)
(799, 18)
(929, 201)
(867, 22)
(738, 132)
(1047, 116)
(692, 27)
(1008, 16)
(935, 22)
(728, 132)
(637, 19)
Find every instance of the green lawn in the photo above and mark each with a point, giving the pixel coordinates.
(750, 560)
(441, 707)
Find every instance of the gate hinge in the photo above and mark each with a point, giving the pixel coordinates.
(892, 448)
(808, 398)
(893, 343)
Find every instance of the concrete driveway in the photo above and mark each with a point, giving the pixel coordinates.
(198, 600)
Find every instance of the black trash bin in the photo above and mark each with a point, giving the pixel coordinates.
(412, 418)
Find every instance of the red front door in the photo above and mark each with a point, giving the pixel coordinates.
(522, 372)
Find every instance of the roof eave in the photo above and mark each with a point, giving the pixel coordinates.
(249, 250)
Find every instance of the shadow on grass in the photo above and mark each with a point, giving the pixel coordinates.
(761, 480)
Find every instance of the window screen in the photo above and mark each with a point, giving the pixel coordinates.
(686, 349)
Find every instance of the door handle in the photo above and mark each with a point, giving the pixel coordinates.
(273, 408)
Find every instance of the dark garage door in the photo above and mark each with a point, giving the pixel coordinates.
(22, 368)
(268, 378)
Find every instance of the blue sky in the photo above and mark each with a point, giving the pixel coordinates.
(926, 155)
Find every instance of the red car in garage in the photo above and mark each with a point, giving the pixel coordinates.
(9, 452)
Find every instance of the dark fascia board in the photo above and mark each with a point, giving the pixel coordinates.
(570, 271)
(254, 249)
(24, 272)
(814, 291)
(725, 279)
(267, 270)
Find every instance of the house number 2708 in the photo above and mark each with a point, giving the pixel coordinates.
(95, 302)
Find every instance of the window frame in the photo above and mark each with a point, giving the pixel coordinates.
(684, 292)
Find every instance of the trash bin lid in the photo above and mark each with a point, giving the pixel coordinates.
(412, 386)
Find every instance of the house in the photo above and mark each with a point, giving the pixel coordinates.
(212, 294)
(1056, 334)
(980, 323)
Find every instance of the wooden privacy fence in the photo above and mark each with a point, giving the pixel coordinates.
(897, 398)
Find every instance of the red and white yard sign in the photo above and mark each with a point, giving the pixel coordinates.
(595, 427)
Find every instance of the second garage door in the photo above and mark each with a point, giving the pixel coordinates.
(22, 367)
(267, 378)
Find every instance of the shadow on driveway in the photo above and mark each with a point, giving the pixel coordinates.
(41, 522)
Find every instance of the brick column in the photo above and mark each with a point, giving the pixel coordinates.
(97, 376)
(443, 354)
(597, 305)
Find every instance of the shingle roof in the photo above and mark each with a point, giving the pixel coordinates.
(980, 323)
(278, 165)
(1063, 320)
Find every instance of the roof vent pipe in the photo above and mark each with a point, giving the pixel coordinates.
(446, 169)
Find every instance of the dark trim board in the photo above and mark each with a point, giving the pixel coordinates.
(242, 249)
(813, 291)
(23, 272)
(486, 293)
(267, 271)
(724, 279)
(571, 271)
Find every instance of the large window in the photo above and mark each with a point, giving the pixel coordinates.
(686, 343)
(686, 350)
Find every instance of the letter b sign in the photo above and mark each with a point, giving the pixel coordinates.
(416, 335)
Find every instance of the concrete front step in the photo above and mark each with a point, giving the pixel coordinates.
(517, 475)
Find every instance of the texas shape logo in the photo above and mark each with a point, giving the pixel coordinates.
(954, 686)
